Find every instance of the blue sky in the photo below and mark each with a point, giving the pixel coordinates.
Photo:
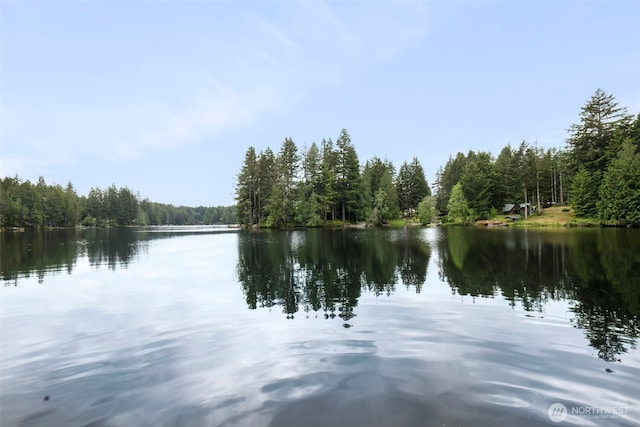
(165, 97)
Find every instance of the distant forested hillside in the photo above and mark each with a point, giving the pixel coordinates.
(34, 205)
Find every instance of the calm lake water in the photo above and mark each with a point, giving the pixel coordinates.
(210, 326)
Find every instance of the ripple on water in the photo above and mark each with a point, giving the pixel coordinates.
(369, 400)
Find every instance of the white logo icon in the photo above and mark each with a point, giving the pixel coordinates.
(557, 412)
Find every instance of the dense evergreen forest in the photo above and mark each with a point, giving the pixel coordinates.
(597, 173)
(28, 205)
(324, 184)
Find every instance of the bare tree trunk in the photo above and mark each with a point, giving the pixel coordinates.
(526, 214)
(538, 194)
(258, 202)
(254, 206)
(561, 193)
(554, 197)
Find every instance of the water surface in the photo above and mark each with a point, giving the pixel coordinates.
(204, 326)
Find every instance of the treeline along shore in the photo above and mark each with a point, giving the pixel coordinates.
(596, 176)
(27, 205)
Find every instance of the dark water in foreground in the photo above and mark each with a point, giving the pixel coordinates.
(417, 327)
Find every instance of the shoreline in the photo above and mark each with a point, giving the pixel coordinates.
(491, 223)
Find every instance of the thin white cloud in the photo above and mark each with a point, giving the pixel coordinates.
(275, 33)
(277, 61)
(120, 133)
(316, 44)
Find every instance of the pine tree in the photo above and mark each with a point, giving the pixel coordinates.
(403, 188)
(448, 177)
(380, 197)
(267, 174)
(507, 184)
(246, 189)
(411, 186)
(282, 200)
(418, 183)
(308, 208)
(590, 139)
(584, 194)
(619, 202)
(327, 196)
(348, 180)
(476, 183)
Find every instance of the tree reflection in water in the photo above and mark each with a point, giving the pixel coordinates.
(44, 253)
(327, 270)
(597, 270)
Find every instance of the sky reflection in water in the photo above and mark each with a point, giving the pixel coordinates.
(376, 327)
